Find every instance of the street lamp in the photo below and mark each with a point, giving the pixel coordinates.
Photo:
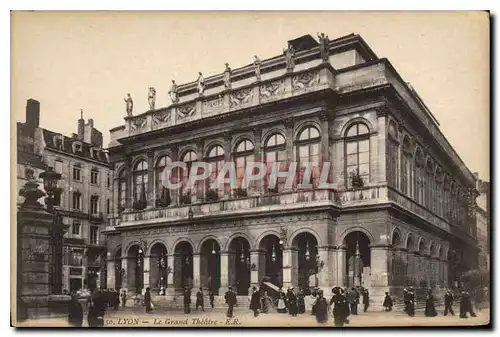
(308, 254)
(273, 255)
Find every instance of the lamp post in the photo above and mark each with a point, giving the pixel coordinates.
(57, 230)
(161, 269)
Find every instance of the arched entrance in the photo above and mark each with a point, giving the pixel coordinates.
(239, 265)
(357, 259)
(307, 251)
(183, 269)
(398, 261)
(158, 268)
(135, 266)
(118, 269)
(273, 254)
(210, 265)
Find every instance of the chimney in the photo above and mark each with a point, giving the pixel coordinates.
(81, 126)
(74, 136)
(32, 114)
(91, 122)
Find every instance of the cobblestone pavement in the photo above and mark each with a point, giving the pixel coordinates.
(130, 317)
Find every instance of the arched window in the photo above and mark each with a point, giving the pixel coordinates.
(419, 177)
(140, 175)
(357, 155)
(430, 184)
(407, 168)
(188, 158)
(243, 154)
(215, 159)
(122, 191)
(162, 192)
(308, 155)
(438, 195)
(275, 152)
(392, 156)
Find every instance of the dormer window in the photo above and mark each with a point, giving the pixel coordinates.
(58, 142)
(77, 147)
(95, 152)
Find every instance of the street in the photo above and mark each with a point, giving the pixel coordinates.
(130, 317)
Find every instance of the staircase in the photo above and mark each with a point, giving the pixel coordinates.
(177, 302)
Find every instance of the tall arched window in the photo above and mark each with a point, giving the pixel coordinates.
(407, 168)
(429, 184)
(392, 156)
(188, 158)
(357, 155)
(161, 191)
(122, 191)
(307, 146)
(275, 152)
(243, 154)
(140, 175)
(419, 177)
(215, 159)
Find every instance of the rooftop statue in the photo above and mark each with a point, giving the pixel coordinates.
(227, 77)
(129, 105)
(289, 54)
(173, 93)
(324, 41)
(201, 84)
(256, 66)
(152, 98)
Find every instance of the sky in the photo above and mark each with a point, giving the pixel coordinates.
(90, 60)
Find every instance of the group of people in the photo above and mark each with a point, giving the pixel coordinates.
(97, 304)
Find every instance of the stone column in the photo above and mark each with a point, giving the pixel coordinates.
(381, 145)
(174, 193)
(128, 183)
(287, 267)
(295, 267)
(125, 275)
(258, 184)
(227, 159)
(151, 195)
(289, 123)
(170, 276)
(199, 190)
(110, 279)
(145, 273)
(196, 271)
(323, 272)
(380, 276)
(224, 268)
(254, 273)
(341, 265)
(325, 143)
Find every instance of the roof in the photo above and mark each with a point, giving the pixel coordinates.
(305, 42)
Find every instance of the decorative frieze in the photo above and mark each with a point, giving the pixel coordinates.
(139, 123)
(162, 118)
(272, 89)
(305, 80)
(241, 97)
(186, 111)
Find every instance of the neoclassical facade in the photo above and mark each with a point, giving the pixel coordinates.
(397, 211)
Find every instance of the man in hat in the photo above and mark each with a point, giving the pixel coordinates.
(411, 302)
(199, 300)
(340, 307)
(405, 300)
(292, 302)
(255, 301)
(448, 303)
(231, 301)
(366, 300)
(187, 300)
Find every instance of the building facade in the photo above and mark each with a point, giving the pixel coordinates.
(397, 211)
(82, 199)
(483, 219)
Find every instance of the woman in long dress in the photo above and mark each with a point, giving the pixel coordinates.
(266, 303)
(430, 310)
(281, 302)
(301, 302)
(321, 308)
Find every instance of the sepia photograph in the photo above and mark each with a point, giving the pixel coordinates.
(250, 169)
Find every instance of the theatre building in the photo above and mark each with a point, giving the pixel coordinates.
(399, 209)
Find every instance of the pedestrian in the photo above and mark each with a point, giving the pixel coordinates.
(466, 305)
(211, 297)
(340, 307)
(366, 300)
(314, 295)
(266, 303)
(116, 299)
(293, 308)
(97, 308)
(255, 301)
(147, 300)
(199, 300)
(301, 304)
(353, 298)
(448, 303)
(231, 301)
(281, 302)
(187, 300)
(124, 298)
(388, 302)
(411, 302)
(430, 310)
(321, 308)
(75, 311)
(405, 299)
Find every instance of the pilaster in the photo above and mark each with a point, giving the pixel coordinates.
(145, 272)
(151, 178)
(224, 267)
(196, 271)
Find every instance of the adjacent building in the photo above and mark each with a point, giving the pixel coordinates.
(398, 212)
(483, 218)
(82, 199)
